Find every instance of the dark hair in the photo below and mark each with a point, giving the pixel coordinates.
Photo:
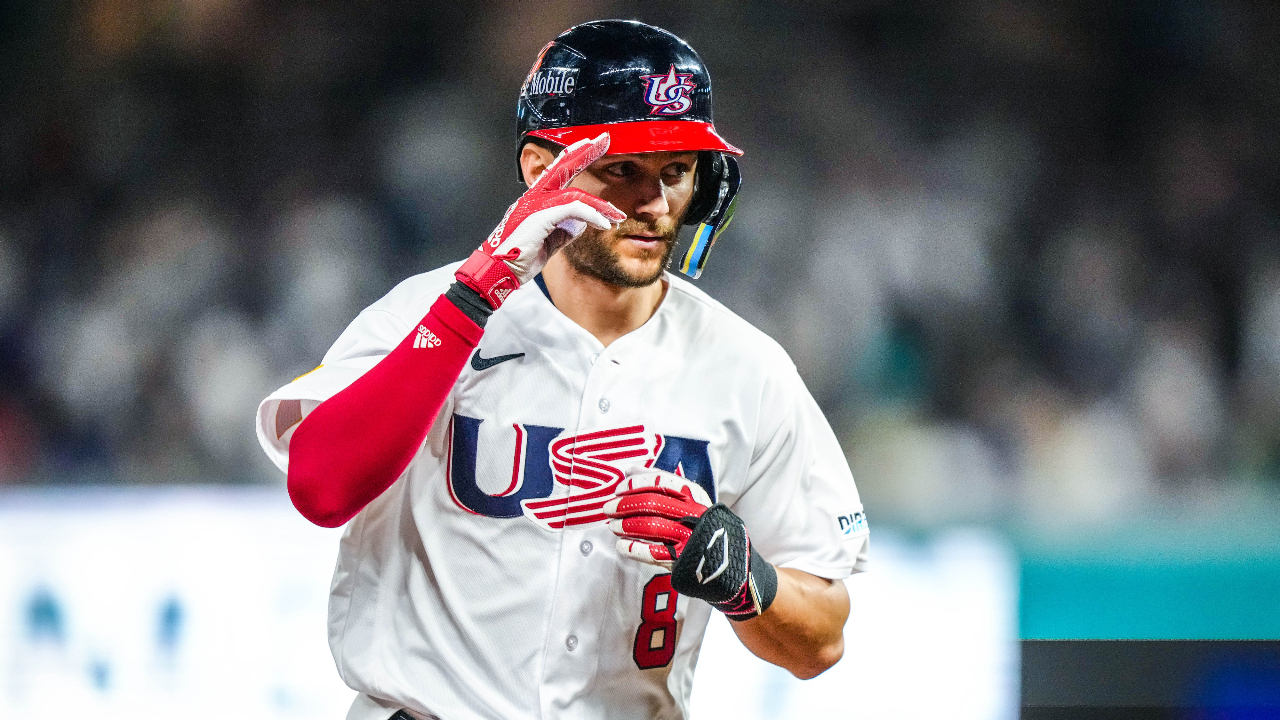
(553, 147)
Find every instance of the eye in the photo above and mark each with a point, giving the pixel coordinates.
(675, 171)
(621, 169)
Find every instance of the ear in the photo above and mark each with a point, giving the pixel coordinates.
(534, 161)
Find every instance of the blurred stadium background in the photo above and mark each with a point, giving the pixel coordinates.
(1026, 255)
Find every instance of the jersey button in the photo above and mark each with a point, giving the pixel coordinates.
(594, 358)
(603, 405)
(585, 547)
(571, 642)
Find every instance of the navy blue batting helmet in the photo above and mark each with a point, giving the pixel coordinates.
(651, 92)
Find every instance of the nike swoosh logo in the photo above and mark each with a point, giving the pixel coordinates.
(479, 363)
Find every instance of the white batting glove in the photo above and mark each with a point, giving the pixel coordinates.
(519, 247)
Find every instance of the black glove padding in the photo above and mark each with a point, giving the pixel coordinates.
(719, 565)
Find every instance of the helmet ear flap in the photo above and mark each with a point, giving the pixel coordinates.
(715, 198)
(706, 187)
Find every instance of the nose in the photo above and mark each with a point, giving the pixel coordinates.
(651, 202)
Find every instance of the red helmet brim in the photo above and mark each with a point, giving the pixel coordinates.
(645, 136)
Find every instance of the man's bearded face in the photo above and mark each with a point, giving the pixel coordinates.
(620, 257)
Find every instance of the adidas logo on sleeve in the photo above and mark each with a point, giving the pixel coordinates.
(426, 338)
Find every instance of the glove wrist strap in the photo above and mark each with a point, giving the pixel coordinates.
(757, 592)
(489, 276)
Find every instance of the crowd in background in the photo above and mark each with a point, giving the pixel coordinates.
(1026, 254)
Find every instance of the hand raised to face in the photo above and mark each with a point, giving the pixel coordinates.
(548, 215)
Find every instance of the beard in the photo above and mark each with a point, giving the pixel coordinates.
(594, 253)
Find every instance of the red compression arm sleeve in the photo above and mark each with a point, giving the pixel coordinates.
(354, 445)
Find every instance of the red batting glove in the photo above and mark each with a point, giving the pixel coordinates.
(663, 519)
(519, 247)
(653, 514)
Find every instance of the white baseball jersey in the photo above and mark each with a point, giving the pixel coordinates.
(485, 584)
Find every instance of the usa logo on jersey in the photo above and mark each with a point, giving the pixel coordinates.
(669, 94)
(559, 482)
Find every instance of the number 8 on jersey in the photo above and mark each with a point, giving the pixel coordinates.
(656, 637)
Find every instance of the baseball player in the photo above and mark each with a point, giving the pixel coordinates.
(555, 459)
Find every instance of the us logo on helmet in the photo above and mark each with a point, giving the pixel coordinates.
(669, 94)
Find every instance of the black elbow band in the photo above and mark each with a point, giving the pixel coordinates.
(469, 302)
